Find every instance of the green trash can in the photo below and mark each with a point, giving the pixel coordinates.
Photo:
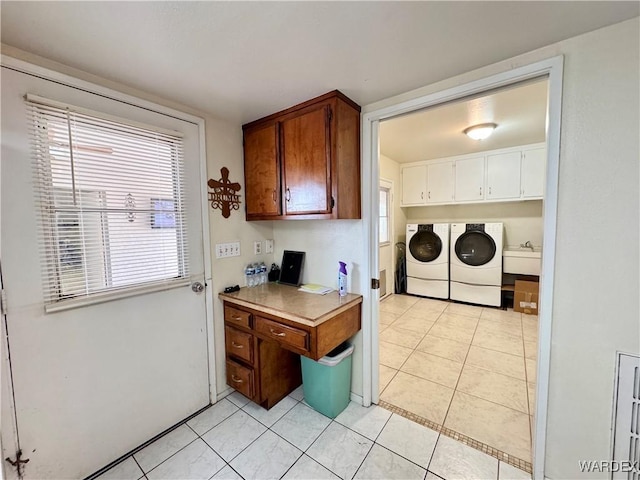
(326, 384)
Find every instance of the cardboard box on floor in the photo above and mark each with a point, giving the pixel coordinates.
(525, 298)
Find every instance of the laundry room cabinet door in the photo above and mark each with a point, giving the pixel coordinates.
(414, 185)
(469, 179)
(440, 182)
(533, 170)
(503, 175)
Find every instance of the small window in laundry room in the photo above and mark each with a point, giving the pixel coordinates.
(110, 198)
(384, 235)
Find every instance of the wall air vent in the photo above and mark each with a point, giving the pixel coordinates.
(626, 427)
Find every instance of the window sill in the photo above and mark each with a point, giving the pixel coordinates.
(109, 296)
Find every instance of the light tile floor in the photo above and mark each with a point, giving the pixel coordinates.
(235, 439)
(468, 368)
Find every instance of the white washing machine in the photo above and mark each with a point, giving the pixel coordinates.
(476, 263)
(428, 259)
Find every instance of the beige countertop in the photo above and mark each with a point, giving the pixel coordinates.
(288, 302)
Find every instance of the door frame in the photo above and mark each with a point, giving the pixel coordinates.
(551, 68)
(56, 76)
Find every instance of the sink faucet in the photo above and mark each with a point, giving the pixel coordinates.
(527, 244)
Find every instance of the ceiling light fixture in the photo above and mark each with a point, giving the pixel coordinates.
(480, 132)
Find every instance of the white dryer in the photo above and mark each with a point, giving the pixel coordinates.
(428, 259)
(476, 263)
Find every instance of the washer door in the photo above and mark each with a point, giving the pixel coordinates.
(425, 246)
(475, 248)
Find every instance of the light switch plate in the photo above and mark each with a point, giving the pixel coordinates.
(268, 246)
(224, 250)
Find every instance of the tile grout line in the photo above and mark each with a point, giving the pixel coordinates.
(469, 441)
(455, 389)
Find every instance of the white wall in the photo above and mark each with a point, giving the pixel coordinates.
(522, 220)
(390, 170)
(595, 308)
(326, 242)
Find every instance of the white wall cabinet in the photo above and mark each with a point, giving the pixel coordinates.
(503, 175)
(533, 172)
(440, 182)
(508, 174)
(469, 184)
(414, 185)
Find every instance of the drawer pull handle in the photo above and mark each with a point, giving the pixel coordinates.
(281, 334)
(235, 379)
(236, 345)
(236, 317)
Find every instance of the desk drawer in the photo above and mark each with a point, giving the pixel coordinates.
(239, 344)
(237, 317)
(283, 334)
(241, 378)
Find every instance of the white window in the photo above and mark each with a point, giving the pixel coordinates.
(384, 235)
(110, 195)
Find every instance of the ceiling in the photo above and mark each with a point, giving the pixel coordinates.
(520, 111)
(244, 60)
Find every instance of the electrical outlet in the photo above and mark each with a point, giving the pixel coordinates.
(257, 248)
(268, 246)
(224, 250)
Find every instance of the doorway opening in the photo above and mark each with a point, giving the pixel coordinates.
(476, 359)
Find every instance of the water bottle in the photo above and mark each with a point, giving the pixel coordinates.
(263, 273)
(249, 274)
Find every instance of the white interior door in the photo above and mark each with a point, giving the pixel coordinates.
(93, 382)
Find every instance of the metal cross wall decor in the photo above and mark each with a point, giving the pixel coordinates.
(224, 193)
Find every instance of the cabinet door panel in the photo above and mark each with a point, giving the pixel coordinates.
(469, 179)
(414, 184)
(533, 170)
(440, 182)
(261, 171)
(503, 175)
(307, 163)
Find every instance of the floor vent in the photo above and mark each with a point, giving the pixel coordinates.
(383, 283)
(626, 428)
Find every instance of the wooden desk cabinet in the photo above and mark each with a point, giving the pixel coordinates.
(263, 348)
(304, 162)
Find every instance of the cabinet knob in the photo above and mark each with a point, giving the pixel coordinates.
(429, 195)
(489, 190)
(480, 191)
(421, 195)
(274, 195)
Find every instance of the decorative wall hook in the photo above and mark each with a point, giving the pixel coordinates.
(224, 193)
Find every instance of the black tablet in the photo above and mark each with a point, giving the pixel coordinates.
(291, 270)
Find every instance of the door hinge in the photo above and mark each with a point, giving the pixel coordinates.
(18, 462)
(375, 284)
(3, 302)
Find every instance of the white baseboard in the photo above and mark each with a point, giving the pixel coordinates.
(356, 398)
(224, 393)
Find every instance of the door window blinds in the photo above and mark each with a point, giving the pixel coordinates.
(110, 197)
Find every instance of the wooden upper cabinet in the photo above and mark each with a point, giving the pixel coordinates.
(309, 155)
(262, 171)
(306, 161)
